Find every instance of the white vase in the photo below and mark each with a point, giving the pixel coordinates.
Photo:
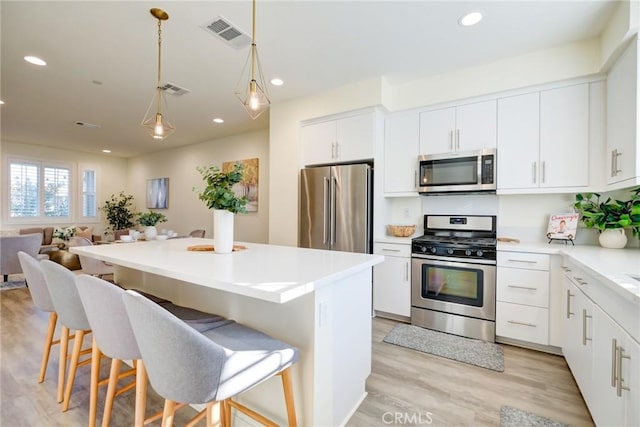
(614, 238)
(222, 231)
(150, 232)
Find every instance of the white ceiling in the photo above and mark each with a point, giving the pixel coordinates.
(312, 45)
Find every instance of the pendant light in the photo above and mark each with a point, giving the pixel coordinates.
(157, 125)
(251, 89)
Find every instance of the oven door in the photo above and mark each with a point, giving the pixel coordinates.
(454, 286)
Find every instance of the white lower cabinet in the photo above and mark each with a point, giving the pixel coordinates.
(392, 280)
(522, 294)
(603, 357)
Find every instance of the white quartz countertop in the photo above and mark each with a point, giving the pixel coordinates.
(617, 268)
(268, 272)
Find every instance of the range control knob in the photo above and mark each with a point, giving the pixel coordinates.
(423, 249)
(467, 252)
(433, 250)
(479, 253)
(450, 251)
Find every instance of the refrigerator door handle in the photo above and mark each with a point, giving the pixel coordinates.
(325, 198)
(332, 211)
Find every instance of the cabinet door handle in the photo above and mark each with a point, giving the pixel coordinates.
(580, 280)
(569, 295)
(333, 150)
(415, 179)
(613, 163)
(614, 359)
(457, 139)
(534, 166)
(337, 150)
(523, 260)
(585, 316)
(514, 322)
(621, 385)
(543, 173)
(406, 272)
(451, 139)
(529, 288)
(390, 250)
(567, 269)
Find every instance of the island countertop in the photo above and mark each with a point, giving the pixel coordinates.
(267, 272)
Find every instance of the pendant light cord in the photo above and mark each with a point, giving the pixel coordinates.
(253, 44)
(159, 62)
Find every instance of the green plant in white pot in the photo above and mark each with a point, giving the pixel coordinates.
(218, 195)
(610, 217)
(150, 220)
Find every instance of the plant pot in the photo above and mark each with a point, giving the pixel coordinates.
(613, 238)
(222, 231)
(150, 232)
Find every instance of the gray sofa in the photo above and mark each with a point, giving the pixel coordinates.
(9, 248)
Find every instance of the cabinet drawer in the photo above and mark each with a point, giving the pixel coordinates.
(521, 322)
(392, 249)
(520, 286)
(523, 260)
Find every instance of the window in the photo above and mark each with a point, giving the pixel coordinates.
(49, 191)
(89, 204)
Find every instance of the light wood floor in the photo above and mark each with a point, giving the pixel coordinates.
(407, 386)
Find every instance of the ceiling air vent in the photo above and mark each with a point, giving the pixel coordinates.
(222, 28)
(171, 89)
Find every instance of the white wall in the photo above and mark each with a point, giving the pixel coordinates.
(284, 151)
(113, 174)
(186, 212)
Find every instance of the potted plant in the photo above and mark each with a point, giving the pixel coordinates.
(610, 217)
(218, 195)
(150, 220)
(119, 211)
(64, 234)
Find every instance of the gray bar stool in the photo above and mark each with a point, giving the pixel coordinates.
(210, 367)
(64, 294)
(42, 299)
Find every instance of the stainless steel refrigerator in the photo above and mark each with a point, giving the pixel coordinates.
(336, 208)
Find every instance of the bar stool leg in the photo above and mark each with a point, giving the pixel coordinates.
(141, 393)
(214, 418)
(73, 367)
(62, 364)
(93, 391)
(111, 391)
(48, 343)
(287, 385)
(168, 413)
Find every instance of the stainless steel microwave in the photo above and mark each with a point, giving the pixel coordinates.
(459, 172)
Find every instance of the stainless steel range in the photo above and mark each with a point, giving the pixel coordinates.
(453, 276)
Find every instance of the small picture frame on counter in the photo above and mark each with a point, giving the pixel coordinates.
(562, 227)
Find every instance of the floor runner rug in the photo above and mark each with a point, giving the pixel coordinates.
(474, 352)
(514, 417)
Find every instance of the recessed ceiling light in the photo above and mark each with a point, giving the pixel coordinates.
(106, 151)
(218, 120)
(470, 19)
(35, 60)
(277, 82)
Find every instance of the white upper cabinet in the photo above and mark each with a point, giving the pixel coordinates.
(460, 128)
(339, 140)
(401, 148)
(518, 141)
(564, 137)
(543, 139)
(622, 162)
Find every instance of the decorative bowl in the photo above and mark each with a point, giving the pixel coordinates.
(401, 230)
(162, 237)
(126, 238)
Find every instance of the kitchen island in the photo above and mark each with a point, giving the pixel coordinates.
(316, 300)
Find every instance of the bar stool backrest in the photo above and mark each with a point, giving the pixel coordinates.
(64, 294)
(36, 281)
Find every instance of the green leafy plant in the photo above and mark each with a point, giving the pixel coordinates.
(610, 213)
(119, 211)
(151, 218)
(218, 193)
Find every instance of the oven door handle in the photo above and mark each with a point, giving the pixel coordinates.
(452, 261)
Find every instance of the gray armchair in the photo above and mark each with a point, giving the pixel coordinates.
(9, 248)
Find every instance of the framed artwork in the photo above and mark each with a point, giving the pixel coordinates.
(249, 185)
(158, 193)
(562, 226)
